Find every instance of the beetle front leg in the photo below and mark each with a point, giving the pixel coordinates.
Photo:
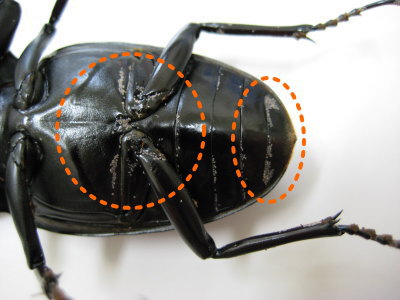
(19, 166)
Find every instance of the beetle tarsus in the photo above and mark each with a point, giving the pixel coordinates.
(355, 12)
(370, 234)
(50, 284)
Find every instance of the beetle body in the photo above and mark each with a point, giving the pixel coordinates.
(97, 116)
(113, 251)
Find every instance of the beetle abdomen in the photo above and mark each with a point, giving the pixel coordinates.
(263, 137)
(93, 123)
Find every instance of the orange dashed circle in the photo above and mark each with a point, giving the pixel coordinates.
(57, 126)
(239, 174)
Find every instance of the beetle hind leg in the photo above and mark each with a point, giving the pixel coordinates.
(50, 285)
(18, 172)
(323, 228)
(184, 216)
(370, 234)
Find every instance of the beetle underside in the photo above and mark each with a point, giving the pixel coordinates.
(167, 155)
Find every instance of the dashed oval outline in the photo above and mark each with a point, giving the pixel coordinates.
(57, 136)
(235, 162)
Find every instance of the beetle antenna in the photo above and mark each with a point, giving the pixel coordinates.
(345, 17)
(370, 234)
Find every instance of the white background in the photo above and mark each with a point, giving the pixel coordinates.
(348, 86)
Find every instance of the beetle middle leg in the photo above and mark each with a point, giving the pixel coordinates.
(20, 166)
(163, 82)
(183, 215)
(9, 18)
(27, 78)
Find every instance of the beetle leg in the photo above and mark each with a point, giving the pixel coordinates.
(296, 31)
(163, 82)
(182, 213)
(26, 74)
(163, 178)
(10, 13)
(17, 178)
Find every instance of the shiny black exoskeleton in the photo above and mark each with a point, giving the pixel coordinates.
(111, 152)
